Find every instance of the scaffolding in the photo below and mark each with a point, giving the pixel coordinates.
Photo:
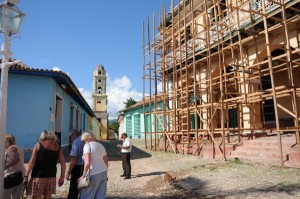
(215, 68)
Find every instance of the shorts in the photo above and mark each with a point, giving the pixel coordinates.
(41, 186)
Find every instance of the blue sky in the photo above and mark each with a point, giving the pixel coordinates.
(74, 36)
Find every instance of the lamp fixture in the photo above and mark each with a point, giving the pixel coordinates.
(10, 17)
(11, 2)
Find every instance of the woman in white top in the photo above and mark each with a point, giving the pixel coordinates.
(96, 163)
(14, 162)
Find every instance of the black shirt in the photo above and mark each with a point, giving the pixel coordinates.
(45, 163)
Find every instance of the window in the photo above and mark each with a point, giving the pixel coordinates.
(71, 117)
(217, 11)
(128, 125)
(160, 122)
(268, 105)
(74, 117)
(79, 124)
(84, 120)
(233, 118)
(137, 125)
(99, 90)
(77, 119)
(188, 34)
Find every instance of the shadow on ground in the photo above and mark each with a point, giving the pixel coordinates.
(149, 174)
(114, 153)
(289, 189)
(156, 188)
(193, 188)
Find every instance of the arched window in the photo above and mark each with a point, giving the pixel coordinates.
(99, 90)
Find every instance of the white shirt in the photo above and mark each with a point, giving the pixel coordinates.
(126, 142)
(97, 151)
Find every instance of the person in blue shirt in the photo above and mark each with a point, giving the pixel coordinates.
(76, 163)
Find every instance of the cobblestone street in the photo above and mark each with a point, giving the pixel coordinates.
(195, 177)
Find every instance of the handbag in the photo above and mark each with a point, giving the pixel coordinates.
(85, 181)
(24, 192)
(13, 180)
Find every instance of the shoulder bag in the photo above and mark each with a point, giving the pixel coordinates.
(13, 179)
(85, 181)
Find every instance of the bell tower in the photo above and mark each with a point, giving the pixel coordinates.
(99, 97)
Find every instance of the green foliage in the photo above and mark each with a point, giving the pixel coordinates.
(114, 125)
(129, 102)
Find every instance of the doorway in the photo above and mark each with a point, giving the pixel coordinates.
(58, 117)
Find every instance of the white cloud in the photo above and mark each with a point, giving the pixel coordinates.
(87, 95)
(56, 69)
(118, 91)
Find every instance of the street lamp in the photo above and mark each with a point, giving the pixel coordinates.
(10, 21)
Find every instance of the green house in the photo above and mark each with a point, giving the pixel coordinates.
(135, 123)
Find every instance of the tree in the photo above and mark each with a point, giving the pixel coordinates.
(129, 102)
(114, 125)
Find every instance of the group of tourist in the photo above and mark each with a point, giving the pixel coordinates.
(87, 157)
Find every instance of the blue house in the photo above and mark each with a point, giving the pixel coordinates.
(45, 99)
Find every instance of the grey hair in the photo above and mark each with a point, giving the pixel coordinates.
(87, 135)
(74, 131)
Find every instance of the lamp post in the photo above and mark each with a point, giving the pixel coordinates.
(10, 21)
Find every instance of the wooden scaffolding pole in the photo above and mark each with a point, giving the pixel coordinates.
(214, 59)
(270, 64)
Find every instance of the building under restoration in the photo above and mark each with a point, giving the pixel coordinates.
(222, 69)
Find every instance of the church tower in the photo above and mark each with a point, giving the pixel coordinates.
(99, 97)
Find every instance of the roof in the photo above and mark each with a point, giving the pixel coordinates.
(139, 104)
(100, 67)
(61, 79)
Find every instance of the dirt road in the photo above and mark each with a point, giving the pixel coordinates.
(195, 177)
